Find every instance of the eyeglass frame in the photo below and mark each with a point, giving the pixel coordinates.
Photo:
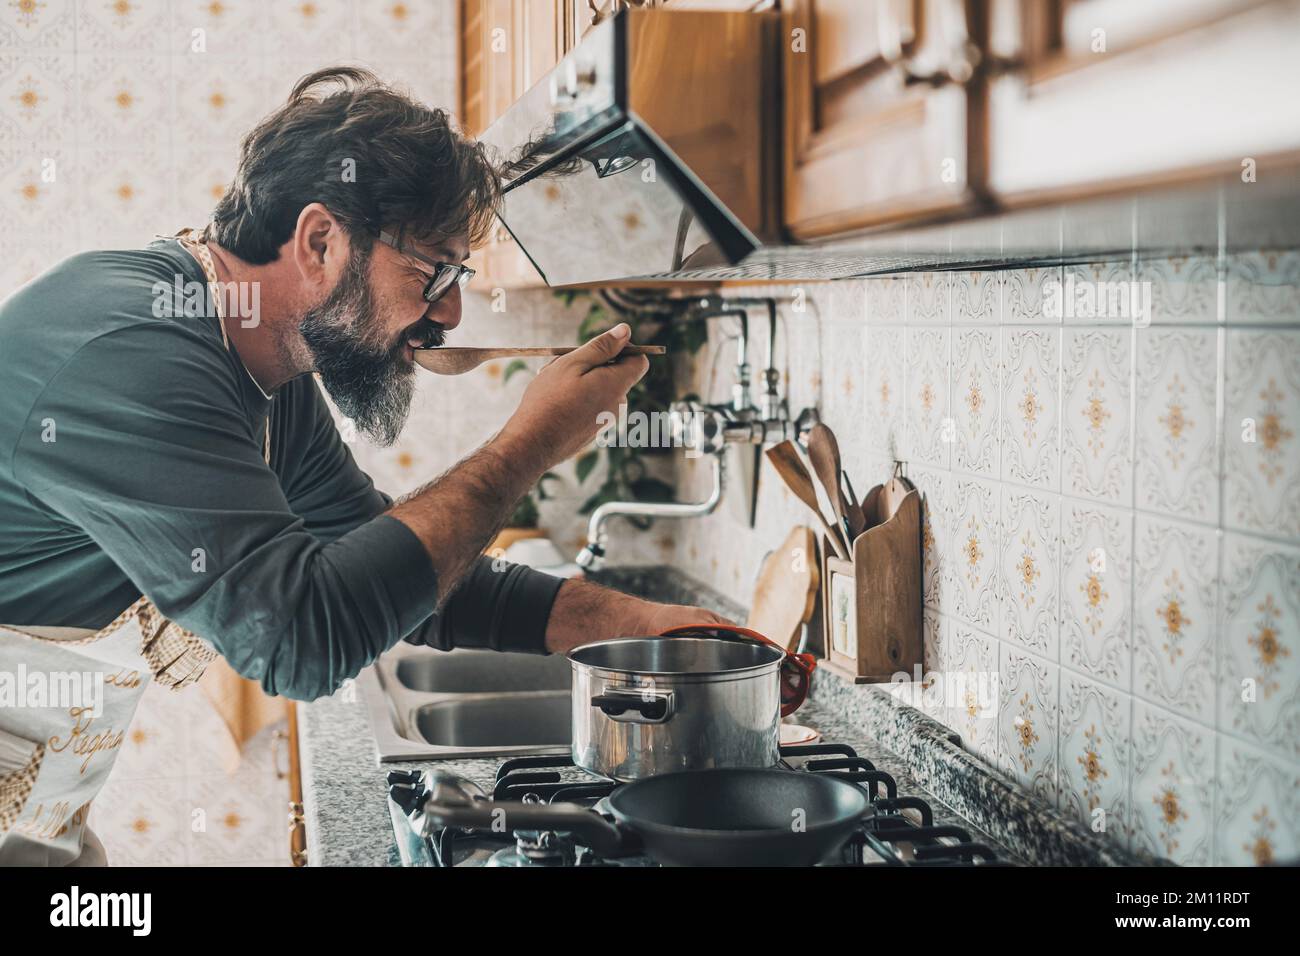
(461, 274)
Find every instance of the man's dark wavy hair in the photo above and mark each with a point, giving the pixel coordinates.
(411, 172)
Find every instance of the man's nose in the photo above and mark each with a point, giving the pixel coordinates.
(446, 311)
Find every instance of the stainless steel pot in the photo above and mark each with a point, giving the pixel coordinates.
(647, 706)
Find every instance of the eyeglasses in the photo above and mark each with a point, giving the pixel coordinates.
(445, 274)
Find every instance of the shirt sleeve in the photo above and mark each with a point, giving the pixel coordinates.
(141, 441)
(497, 605)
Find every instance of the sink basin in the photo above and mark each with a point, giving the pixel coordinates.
(510, 720)
(483, 672)
(427, 704)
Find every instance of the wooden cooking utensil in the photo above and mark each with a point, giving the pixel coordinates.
(857, 517)
(824, 453)
(786, 590)
(785, 459)
(456, 361)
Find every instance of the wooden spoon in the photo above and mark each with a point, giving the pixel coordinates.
(457, 361)
(824, 453)
(785, 459)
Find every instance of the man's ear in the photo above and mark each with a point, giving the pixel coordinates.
(319, 248)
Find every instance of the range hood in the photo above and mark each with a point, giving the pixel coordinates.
(649, 151)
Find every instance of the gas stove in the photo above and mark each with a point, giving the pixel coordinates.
(899, 830)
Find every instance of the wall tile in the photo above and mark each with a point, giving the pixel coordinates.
(936, 534)
(1173, 792)
(326, 27)
(927, 407)
(1096, 578)
(884, 391)
(122, 98)
(1096, 450)
(973, 556)
(231, 27)
(974, 401)
(977, 298)
(1259, 652)
(1028, 584)
(1176, 449)
(1176, 583)
(1030, 412)
(1183, 289)
(1028, 691)
(38, 99)
(141, 25)
(972, 698)
(1027, 295)
(1094, 752)
(47, 25)
(929, 298)
(1258, 807)
(1264, 287)
(886, 300)
(1262, 432)
(1100, 293)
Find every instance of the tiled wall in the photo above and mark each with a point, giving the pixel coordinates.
(113, 128)
(1101, 531)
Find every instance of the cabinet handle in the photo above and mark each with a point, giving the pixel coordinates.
(963, 57)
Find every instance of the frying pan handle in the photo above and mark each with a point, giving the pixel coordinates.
(589, 826)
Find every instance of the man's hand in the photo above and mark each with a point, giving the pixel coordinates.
(661, 617)
(584, 613)
(560, 411)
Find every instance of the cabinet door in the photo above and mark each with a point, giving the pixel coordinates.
(1107, 95)
(506, 47)
(884, 115)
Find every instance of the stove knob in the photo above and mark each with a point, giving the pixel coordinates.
(406, 790)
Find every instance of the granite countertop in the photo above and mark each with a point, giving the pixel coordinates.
(346, 796)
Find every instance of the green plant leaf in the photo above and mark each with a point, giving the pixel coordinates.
(516, 365)
(586, 462)
(542, 493)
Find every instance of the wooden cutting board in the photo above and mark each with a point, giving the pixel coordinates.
(787, 589)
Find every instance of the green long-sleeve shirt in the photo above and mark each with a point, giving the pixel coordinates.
(131, 462)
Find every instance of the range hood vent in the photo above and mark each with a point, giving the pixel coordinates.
(649, 150)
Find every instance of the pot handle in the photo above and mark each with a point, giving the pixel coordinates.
(646, 708)
(796, 669)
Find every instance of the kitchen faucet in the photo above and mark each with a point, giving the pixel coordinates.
(709, 429)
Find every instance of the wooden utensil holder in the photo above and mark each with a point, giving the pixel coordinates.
(871, 605)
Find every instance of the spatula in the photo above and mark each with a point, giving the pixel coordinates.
(824, 453)
(457, 361)
(785, 459)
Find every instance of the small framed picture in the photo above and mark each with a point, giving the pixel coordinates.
(843, 616)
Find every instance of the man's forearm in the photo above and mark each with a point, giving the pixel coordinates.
(458, 514)
(584, 612)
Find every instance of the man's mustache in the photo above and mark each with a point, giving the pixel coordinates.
(425, 334)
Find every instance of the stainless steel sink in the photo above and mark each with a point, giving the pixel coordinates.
(543, 719)
(427, 704)
(483, 672)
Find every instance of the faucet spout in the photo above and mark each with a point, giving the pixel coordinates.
(593, 554)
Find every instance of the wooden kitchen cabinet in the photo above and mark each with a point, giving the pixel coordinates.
(882, 123)
(506, 46)
(1110, 95)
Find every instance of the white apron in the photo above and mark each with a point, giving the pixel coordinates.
(55, 752)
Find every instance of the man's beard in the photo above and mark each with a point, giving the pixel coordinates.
(369, 379)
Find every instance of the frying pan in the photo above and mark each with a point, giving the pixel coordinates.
(740, 816)
(725, 817)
